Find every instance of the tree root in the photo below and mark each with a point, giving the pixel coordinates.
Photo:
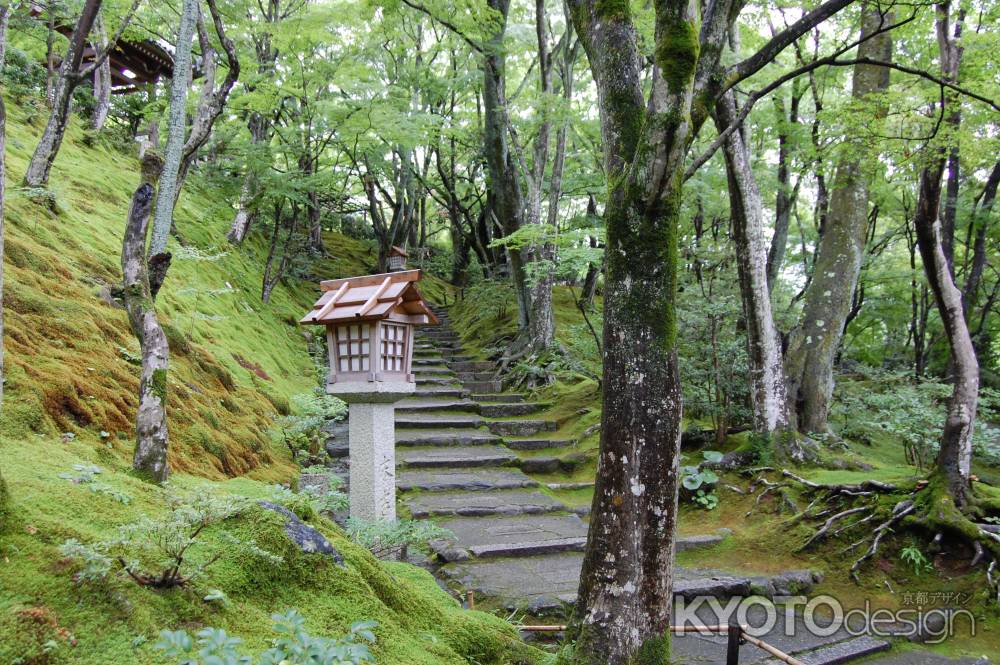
(825, 529)
(901, 510)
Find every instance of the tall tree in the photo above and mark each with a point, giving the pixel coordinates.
(71, 74)
(151, 434)
(814, 343)
(626, 585)
(767, 381)
(954, 461)
(173, 151)
(4, 22)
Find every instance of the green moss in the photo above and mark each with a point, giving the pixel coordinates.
(612, 9)
(159, 384)
(677, 48)
(654, 651)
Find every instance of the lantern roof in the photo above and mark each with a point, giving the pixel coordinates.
(391, 295)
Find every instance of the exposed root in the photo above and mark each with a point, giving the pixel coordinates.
(825, 529)
(901, 510)
(866, 488)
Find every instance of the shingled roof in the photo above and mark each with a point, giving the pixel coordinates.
(391, 295)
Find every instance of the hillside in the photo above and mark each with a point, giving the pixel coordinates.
(235, 364)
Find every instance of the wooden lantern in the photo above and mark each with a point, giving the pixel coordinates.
(397, 259)
(369, 326)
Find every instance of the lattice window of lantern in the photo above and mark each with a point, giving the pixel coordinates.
(353, 348)
(393, 347)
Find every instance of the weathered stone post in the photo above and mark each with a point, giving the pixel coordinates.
(369, 326)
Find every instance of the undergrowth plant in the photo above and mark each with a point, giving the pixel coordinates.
(699, 481)
(86, 474)
(386, 539)
(302, 431)
(169, 550)
(292, 646)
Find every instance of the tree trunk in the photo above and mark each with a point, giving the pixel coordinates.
(212, 100)
(176, 130)
(954, 459)
(244, 216)
(506, 197)
(102, 85)
(980, 224)
(151, 419)
(4, 22)
(767, 388)
(813, 344)
(784, 198)
(37, 174)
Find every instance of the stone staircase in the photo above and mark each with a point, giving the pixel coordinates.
(465, 450)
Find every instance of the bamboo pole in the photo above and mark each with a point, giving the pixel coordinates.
(777, 653)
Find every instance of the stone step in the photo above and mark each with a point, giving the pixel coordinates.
(547, 584)
(484, 386)
(507, 398)
(428, 421)
(841, 652)
(538, 444)
(443, 391)
(432, 372)
(473, 366)
(438, 380)
(571, 486)
(430, 362)
(422, 405)
(521, 428)
(445, 437)
(455, 456)
(476, 376)
(508, 502)
(521, 535)
(444, 480)
(502, 410)
(551, 464)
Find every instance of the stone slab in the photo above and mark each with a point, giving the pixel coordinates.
(458, 436)
(509, 502)
(423, 404)
(521, 428)
(455, 456)
(428, 421)
(522, 535)
(444, 480)
(508, 398)
(538, 444)
(501, 410)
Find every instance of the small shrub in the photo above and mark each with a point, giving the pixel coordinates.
(293, 646)
(385, 539)
(166, 551)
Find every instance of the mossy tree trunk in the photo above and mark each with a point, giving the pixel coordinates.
(767, 380)
(176, 130)
(954, 459)
(506, 197)
(151, 436)
(37, 174)
(4, 22)
(623, 610)
(814, 343)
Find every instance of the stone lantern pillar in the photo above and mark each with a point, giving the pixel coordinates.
(369, 327)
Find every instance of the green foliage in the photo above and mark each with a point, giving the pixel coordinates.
(693, 477)
(164, 552)
(311, 501)
(914, 557)
(394, 538)
(302, 431)
(293, 646)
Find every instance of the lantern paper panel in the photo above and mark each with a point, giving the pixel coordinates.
(353, 348)
(394, 342)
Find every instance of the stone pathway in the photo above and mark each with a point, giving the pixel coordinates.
(465, 450)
